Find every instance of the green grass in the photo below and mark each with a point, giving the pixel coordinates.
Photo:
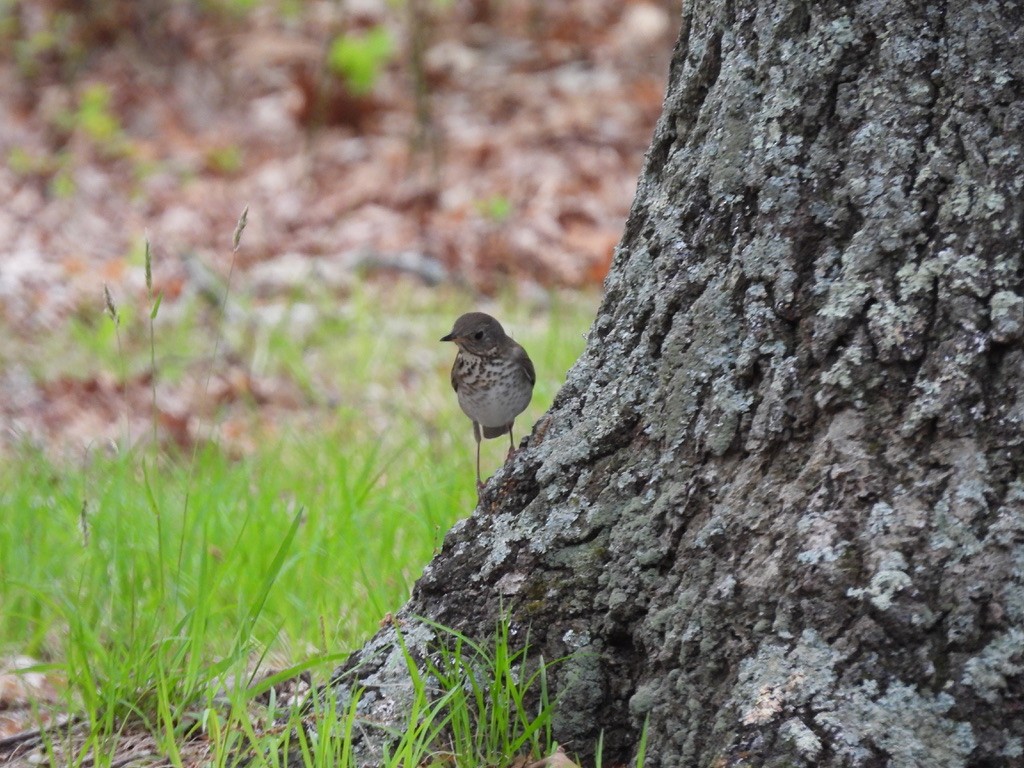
(159, 585)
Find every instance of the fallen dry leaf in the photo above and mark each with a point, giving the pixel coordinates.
(556, 760)
(19, 688)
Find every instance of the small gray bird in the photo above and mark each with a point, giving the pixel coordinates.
(493, 377)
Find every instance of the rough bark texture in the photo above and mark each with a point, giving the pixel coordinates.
(778, 507)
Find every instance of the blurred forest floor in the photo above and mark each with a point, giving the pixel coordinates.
(482, 144)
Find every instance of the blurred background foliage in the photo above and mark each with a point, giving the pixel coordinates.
(470, 149)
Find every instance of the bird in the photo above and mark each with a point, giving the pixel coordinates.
(492, 376)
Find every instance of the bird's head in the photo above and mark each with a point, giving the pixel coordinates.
(477, 333)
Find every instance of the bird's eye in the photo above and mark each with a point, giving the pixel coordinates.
(478, 335)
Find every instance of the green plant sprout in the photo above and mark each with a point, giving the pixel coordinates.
(359, 58)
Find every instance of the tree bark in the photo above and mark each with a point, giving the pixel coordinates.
(777, 508)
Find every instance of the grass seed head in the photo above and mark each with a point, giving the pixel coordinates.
(239, 228)
(111, 307)
(83, 522)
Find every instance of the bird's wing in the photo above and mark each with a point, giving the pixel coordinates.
(527, 364)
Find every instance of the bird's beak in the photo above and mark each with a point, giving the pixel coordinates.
(449, 337)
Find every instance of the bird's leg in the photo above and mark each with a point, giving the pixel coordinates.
(511, 444)
(476, 434)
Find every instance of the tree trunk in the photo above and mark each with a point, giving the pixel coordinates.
(778, 507)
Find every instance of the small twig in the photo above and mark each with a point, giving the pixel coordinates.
(36, 734)
(21, 736)
(131, 759)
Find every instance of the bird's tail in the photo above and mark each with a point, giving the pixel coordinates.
(491, 432)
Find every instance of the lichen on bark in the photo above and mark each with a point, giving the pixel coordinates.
(776, 511)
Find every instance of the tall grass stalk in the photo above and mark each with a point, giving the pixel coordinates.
(154, 308)
(236, 240)
(641, 750)
(115, 318)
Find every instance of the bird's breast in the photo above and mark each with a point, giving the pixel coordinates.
(492, 391)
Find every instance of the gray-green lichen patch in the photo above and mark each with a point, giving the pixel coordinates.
(820, 540)
(966, 274)
(1014, 748)
(885, 585)
(912, 728)
(947, 386)
(1006, 310)
(987, 672)
(804, 740)
(965, 499)
(845, 302)
(717, 425)
(645, 698)
(777, 411)
(781, 679)
(898, 328)
(584, 686)
(388, 689)
(847, 379)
